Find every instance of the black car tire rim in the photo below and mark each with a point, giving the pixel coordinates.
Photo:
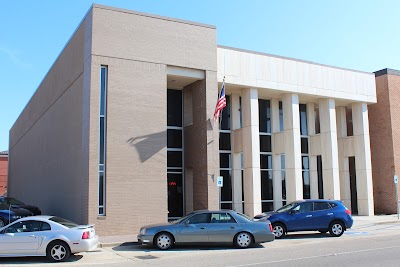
(278, 230)
(164, 241)
(243, 240)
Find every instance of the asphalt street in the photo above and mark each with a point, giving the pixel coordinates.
(367, 245)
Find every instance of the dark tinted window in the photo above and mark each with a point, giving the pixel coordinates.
(266, 185)
(303, 119)
(226, 115)
(265, 161)
(265, 143)
(264, 115)
(45, 227)
(200, 218)
(304, 145)
(222, 218)
(174, 138)
(174, 108)
(226, 189)
(333, 205)
(321, 206)
(224, 160)
(174, 158)
(63, 221)
(304, 207)
(24, 227)
(224, 141)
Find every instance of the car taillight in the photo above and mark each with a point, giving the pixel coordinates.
(347, 212)
(270, 228)
(85, 235)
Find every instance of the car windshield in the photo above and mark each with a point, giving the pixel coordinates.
(287, 207)
(64, 222)
(182, 219)
(13, 201)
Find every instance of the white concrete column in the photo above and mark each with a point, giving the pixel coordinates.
(294, 181)
(329, 149)
(251, 152)
(276, 158)
(236, 157)
(363, 159)
(344, 174)
(313, 158)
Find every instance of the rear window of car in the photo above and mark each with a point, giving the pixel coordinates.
(64, 222)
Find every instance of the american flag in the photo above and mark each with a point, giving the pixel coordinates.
(221, 103)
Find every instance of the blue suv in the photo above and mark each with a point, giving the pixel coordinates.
(309, 215)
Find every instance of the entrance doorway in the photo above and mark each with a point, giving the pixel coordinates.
(175, 195)
(353, 185)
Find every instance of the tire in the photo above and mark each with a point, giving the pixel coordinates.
(243, 240)
(58, 251)
(279, 230)
(164, 241)
(336, 228)
(2, 223)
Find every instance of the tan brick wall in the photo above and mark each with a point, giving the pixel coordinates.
(45, 167)
(382, 136)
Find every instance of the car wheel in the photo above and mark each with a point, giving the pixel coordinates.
(2, 222)
(279, 230)
(336, 228)
(58, 251)
(243, 240)
(164, 241)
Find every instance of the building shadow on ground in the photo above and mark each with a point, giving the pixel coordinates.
(134, 246)
(35, 260)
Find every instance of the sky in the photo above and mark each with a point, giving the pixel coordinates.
(360, 35)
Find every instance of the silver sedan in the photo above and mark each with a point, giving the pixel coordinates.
(204, 227)
(49, 236)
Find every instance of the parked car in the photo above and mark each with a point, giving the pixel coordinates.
(17, 203)
(310, 215)
(9, 214)
(50, 236)
(205, 227)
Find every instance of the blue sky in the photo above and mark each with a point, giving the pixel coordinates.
(361, 35)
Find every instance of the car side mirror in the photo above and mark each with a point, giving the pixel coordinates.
(186, 223)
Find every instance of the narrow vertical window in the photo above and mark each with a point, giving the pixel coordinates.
(281, 116)
(283, 175)
(320, 178)
(317, 122)
(349, 121)
(102, 140)
(225, 156)
(265, 155)
(304, 151)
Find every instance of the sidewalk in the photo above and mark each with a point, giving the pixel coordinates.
(113, 241)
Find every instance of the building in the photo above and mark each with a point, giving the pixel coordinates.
(121, 131)
(3, 171)
(385, 140)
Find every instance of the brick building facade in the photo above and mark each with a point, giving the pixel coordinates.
(384, 120)
(3, 171)
(120, 132)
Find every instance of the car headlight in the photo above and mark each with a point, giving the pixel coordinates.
(143, 231)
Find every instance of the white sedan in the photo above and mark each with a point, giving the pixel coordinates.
(50, 236)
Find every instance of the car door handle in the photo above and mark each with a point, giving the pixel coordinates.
(233, 227)
(202, 228)
(309, 216)
(330, 213)
(32, 236)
